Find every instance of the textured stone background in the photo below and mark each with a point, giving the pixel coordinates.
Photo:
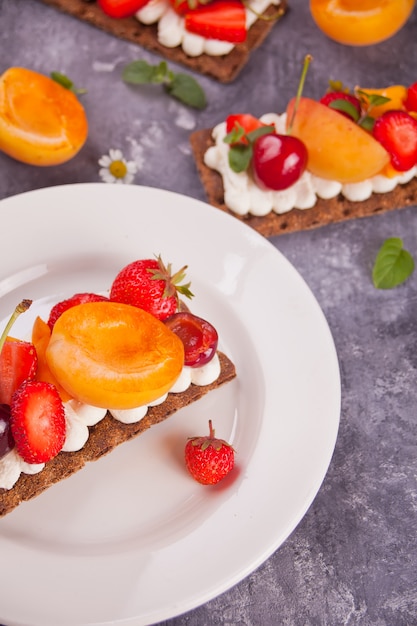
(353, 559)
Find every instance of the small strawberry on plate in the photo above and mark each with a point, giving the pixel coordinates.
(121, 8)
(18, 362)
(209, 459)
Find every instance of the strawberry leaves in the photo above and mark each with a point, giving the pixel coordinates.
(393, 265)
(182, 87)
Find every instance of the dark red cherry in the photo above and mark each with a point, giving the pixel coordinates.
(6, 438)
(278, 161)
(198, 336)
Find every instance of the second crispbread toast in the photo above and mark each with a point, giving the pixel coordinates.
(223, 68)
(325, 212)
(104, 437)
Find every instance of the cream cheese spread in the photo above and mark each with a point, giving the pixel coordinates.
(243, 196)
(79, 417)
(172, 31)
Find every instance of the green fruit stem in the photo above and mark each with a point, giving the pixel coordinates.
(307, 60)
(21, 308)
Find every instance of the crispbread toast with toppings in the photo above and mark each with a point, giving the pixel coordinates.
(223, 68)
(325, 212)
(103, 438)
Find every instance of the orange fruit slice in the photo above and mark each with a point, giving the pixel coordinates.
(360, 22)
(41, 334)
(113, 355)
(338, 149)
(41, 122)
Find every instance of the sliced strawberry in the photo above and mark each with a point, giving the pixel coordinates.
(37, 421)
(397, 132)
(121, 8)
(410, 102)
(221, 19)
(78, 298)
(18, 362)
(340, 101)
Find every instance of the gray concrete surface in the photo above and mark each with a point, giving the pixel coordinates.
(353, 559)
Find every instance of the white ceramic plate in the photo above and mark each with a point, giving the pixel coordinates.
(132, 539)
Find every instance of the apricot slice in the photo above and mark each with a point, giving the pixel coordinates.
(397, 95)
(113, 355)
(360, 22)
(41, 122)
(338, 149)
(41, 334)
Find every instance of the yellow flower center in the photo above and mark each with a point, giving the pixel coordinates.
(118, 169)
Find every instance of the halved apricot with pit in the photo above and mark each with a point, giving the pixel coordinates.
(338, 149)
(114, 355)
(41, 122)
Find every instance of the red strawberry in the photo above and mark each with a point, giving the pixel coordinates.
(410, 102)
(209, 459)
(221, 19)
(240, 124)
(149, 285)
(37, 421)
(184, 6)
(397, 132)
(18, 362)
(78, 298)
(18, 359)
(340, 101)
(121, 8)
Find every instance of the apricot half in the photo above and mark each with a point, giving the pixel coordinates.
(113, 355)
(41, 122)
(338, 149)
(360, 22)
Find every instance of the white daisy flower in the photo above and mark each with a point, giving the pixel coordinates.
(115, 168)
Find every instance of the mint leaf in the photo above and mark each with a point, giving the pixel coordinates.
(240, 156)
(184, 88)
(393, 265)
(345, 107)
(141, 73)
(66, 82)
(180, 86)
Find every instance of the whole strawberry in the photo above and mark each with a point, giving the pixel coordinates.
(149, 285)
(209, 459)
(78, 298)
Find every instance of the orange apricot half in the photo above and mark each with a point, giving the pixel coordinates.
(113, 355)
(338, 148)
(41, 122)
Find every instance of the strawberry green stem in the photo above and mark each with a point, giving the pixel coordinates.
(306, 64)
(21, 308)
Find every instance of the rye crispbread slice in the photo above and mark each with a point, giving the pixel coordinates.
(222, 68)
(104, 437)
(331, 211)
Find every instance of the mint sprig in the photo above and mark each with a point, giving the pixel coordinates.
(183, 87)
(66, 82)
(393, 265)
(240, 154)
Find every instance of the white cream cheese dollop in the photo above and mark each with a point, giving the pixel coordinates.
(172, 32)
(79, 417)
(243, 196)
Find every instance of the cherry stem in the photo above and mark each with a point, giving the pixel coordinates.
(306, 64)
(21, 308)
